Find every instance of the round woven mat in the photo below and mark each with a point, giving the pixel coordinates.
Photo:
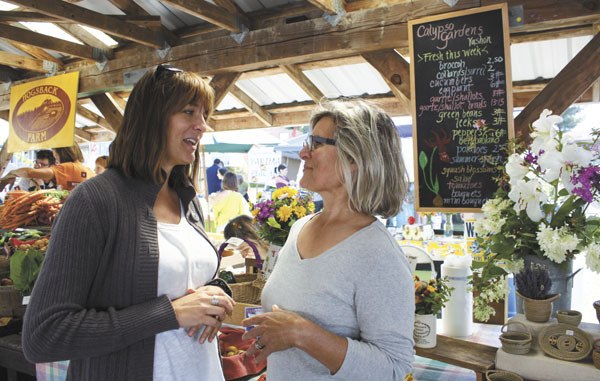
(565, 342)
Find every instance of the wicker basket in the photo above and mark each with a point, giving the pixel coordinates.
(538, 311)
(515, 342)
(247, 288)
(502, 375)
(565, 342)
(570, 317)
(596, 353)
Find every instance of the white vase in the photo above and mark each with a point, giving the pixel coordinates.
(457, 314)
(425, 332)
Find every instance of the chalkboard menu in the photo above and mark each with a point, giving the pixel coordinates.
(462, 107)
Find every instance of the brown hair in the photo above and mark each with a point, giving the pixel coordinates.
(139, 147)
(230, 182)
(241, 227)
(69, 154)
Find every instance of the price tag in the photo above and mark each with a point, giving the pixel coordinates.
(26, 300)
(569, 332)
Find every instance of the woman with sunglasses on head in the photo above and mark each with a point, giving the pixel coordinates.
(340, 302)
(123, 292)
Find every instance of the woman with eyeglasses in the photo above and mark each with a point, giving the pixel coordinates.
(67, 173)
(340, 302)
(125, 292)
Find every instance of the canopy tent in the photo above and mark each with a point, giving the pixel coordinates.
(227, 147)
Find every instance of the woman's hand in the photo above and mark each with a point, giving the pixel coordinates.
(206, 306)
(274, 331)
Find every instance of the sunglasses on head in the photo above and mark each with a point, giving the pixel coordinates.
(166, 68)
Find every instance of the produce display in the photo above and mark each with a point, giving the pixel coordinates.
(24, 251)
(39, 208)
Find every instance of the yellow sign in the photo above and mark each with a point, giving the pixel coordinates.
(42, 113)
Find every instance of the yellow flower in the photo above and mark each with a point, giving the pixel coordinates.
(284, 192)
(284, 213)
(255, 212)
(300, 211)
(431, 289)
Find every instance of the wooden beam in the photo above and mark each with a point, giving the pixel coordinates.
(105, 23)
(252, 106)
(330, 6)
(132, 9)
(568, 85)
(118, 99)
(87, 136)
(109, 110)
(357, 5)
(21, 62)
(92, 116)
(21, 16)
(518, 38)
(302, 80)
(229, 5)
(395, 71)
(36, 52)
(221, 83)
(46, 42)
(232, 21)
(84, 36)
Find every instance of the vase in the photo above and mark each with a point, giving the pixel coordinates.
(425, 332)
(271, 259)
(538, 310)
(562, 281)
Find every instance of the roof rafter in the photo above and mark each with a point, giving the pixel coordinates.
(303, 81)
(105, 23)
(226, 19)
(252, 106)
(20, 16)
(572, 81)
(395, 71)
(20, 62)
(92, 116)
(109, 110)
(26, 36)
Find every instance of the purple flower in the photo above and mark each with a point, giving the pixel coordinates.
(531, 158)
(587, 182)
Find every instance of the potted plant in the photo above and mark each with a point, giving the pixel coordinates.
(533, 286)
(430, 297)
(538, 212)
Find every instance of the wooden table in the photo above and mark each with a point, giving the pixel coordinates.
(465, 354)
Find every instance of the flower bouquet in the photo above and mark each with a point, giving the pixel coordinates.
(431, 296)
(275, 217)
(539, 209)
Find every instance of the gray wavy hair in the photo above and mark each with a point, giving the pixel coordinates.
(369, 152)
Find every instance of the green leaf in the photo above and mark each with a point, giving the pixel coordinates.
(423, 160)
(436, 186)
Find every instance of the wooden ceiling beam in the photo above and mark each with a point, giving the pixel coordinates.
(109, 110)
(232, 21)
(36, 52)
(572, 81)
(85, 135)
(92, 116)
(252, 106)
(105, 23)
(229, 5)
(296, 74)
(23, 16)
(222, 83)
(26, 36)
(330, 6)
(358, 5)
(20, 62)
(84, 36)
(395, 71)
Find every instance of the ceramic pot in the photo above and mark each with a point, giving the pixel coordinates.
(425, 332)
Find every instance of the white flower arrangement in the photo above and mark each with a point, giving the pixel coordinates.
(540, 206)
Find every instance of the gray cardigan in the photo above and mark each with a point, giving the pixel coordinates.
(95, 301)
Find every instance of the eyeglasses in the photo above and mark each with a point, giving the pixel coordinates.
(315, 141)
(162, 68)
